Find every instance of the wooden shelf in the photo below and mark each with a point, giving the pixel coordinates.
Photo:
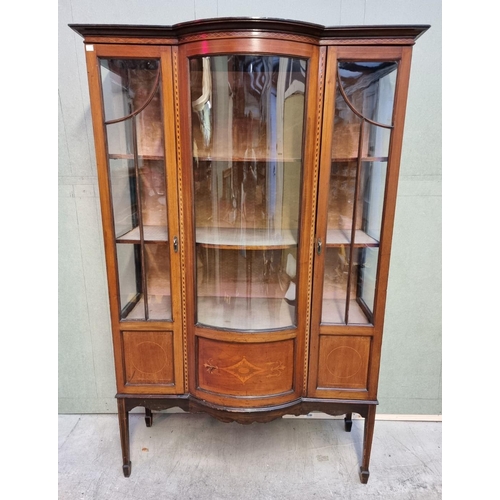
(152, 234)
(249, 239)
(237, 313)
(339, 237)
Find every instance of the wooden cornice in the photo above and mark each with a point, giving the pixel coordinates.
(253, 26)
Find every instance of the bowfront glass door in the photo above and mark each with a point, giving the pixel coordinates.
(247, 122)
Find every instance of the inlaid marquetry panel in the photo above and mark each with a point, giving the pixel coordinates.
(148, 357)
(343, 362)
(240, 369)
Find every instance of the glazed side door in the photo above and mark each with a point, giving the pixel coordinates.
(133, 108)
(365, 100)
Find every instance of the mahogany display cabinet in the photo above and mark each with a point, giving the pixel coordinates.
(248, 171)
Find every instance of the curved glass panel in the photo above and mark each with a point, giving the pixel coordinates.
(247, 124)
(132, 97)
(360, 148)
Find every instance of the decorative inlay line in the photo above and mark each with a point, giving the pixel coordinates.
(210, 366)
(130, 40)
(277, 369)
(243, 34)
(145, 348)
(181, 214)
(355, 361)
(243, 370)
(372, 41)
(313, 222)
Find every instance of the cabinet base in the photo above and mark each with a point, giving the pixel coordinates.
(365, 409)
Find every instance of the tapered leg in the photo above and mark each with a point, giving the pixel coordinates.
(364, 473)
(348, 422)
(148, 417)
(124, 437)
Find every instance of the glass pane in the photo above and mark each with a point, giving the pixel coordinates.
(372, 189)
(123, 194)
(158, 281)
(369, 87)
(360, 148)
(130, 281)
(247, 122)
(133, 104)
(338, 285)
(126, 85)
(153, 195)
(367, 277)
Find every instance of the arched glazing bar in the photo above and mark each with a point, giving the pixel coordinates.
(141, 108)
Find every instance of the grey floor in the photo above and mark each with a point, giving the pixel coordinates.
(185, 456)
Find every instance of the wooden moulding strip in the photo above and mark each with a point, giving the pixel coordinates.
(381, 417)
(251, 26)
(113, 40)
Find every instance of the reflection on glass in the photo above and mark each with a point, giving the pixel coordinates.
(368, 276)
(134, 136)
(247, 123)
(158, 281)
(360, 149)
(123, 195)
(130, 280)
(127, 84)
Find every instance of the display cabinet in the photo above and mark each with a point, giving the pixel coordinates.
(248, 173)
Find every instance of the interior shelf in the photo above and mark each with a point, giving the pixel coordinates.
(237, 313)
(250, 239)
(333, 312)
(339, 237)
(159, 307)
(355, 158)
(152, 234)
(238, 158)
(130, 156)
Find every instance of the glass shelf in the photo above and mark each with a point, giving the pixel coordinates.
(158, 308)
(130, 156)
(338, 237)
(235, 313)
(334, 309)
(152, 234)
(244, 238)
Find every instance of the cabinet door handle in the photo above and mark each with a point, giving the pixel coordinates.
(319, 246)
(176, 244)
